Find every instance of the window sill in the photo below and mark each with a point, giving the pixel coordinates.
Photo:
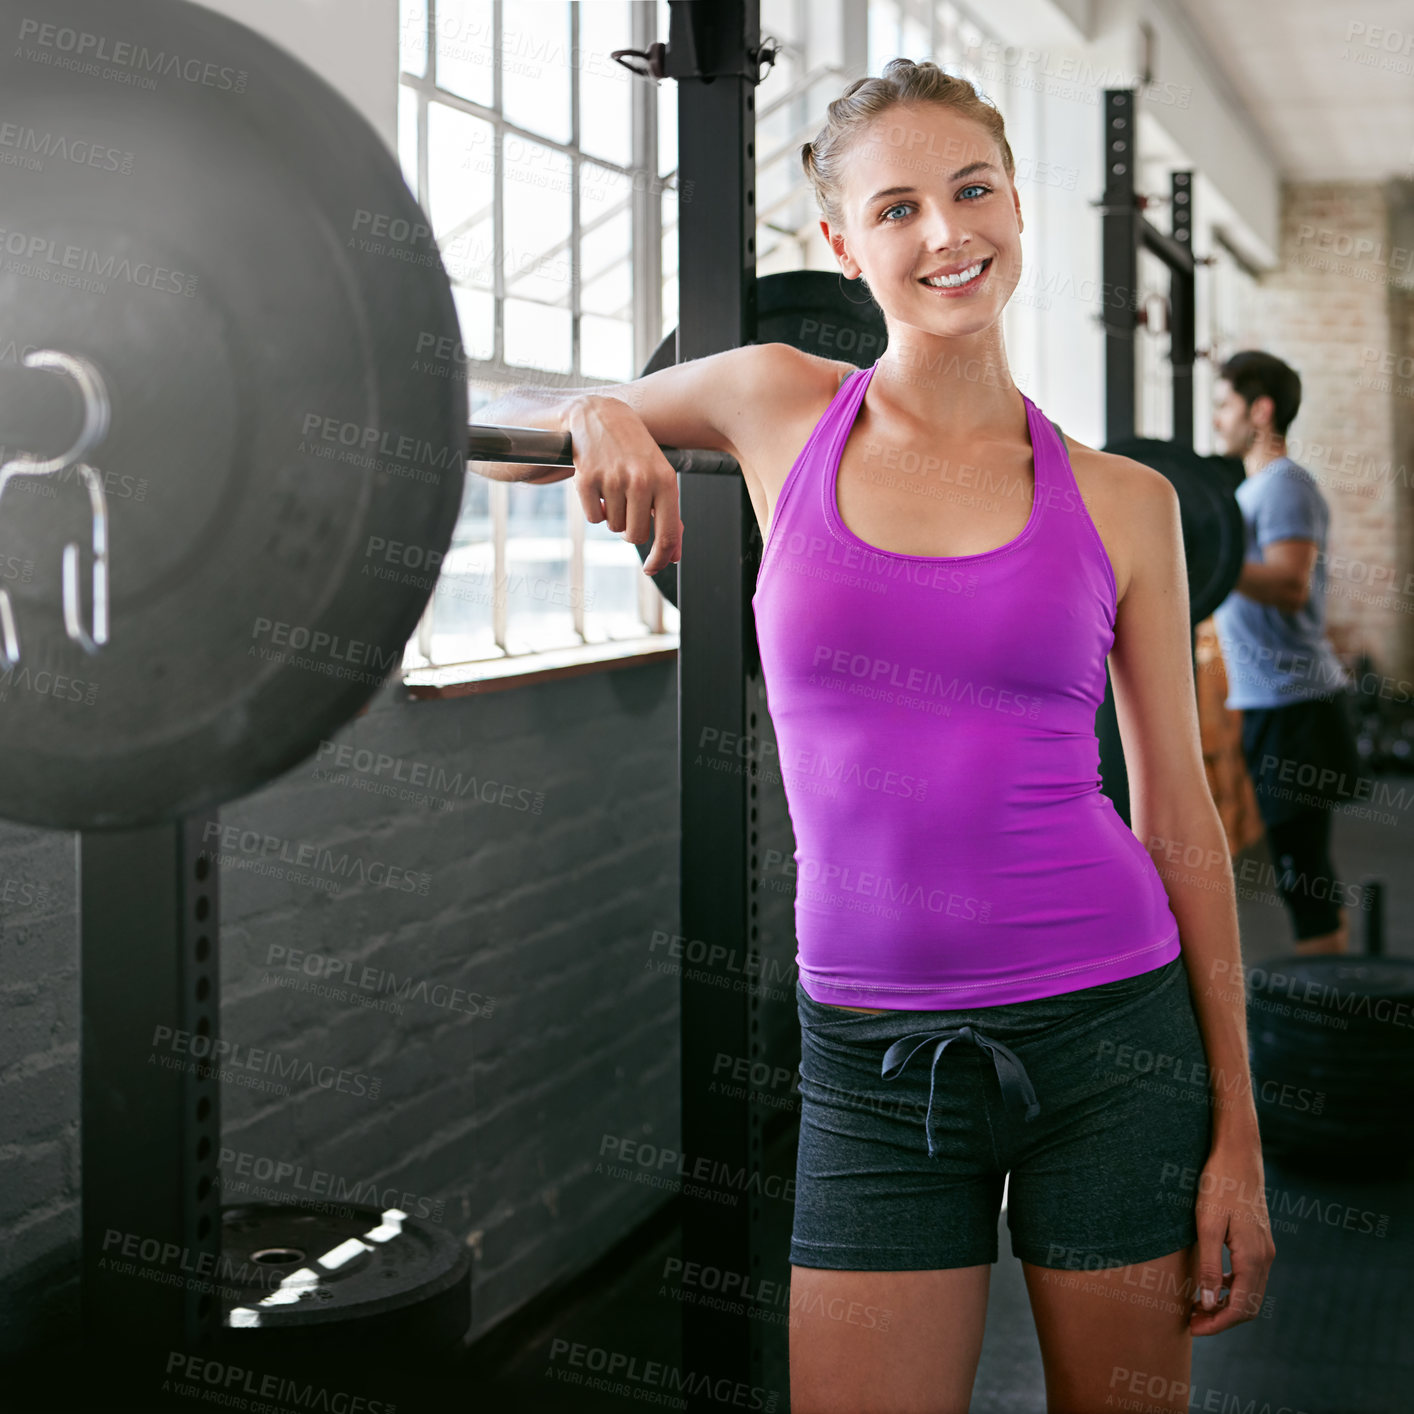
(499, 674)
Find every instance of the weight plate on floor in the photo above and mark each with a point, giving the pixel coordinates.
(344, 1276)
(233, 248)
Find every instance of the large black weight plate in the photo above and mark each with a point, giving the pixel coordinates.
(343, 1277)
(234, 248)
(808, 310)
(1213, 542)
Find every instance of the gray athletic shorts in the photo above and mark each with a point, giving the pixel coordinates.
(910, 1120)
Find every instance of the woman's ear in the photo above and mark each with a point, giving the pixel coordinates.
(836, 243)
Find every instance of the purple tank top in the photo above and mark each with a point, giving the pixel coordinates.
(935, 717)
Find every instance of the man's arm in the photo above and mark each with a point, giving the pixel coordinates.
(1282, 577)
(1290, 520)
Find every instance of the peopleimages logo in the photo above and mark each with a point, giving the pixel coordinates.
(80, 48)
(29, 147)
(47, 257)
(243, 1387)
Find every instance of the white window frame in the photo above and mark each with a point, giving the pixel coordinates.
(645, 202)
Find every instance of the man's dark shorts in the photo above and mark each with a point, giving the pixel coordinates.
(1301, 756)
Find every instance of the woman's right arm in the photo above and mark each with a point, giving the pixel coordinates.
(716, 403)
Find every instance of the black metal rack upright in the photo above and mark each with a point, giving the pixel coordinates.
(149, 981)
(1125, 232)
(714, 53)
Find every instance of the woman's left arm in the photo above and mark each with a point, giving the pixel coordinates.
(1173, 814)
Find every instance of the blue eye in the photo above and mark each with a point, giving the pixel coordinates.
(908, 206)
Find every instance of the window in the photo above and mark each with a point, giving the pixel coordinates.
(527, 145)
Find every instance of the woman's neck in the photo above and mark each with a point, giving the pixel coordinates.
(962, 384)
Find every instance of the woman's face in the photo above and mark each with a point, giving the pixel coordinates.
(926, 195)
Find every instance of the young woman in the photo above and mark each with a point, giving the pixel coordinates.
(994, 972)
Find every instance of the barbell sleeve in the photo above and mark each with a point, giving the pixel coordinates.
(537, 446)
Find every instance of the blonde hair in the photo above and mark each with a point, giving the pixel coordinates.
(865, 99)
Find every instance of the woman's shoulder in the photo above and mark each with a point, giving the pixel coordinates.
(1108, 475)
(785, 390)
(1133, 507)
(807, 373)
(777, 393)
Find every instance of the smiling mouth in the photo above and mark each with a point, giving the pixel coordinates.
(963, 280)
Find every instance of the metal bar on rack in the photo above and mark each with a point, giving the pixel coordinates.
(1178, 257)
(538, 447)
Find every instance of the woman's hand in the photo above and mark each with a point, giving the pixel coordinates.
(623, 477)
(1231, 1208)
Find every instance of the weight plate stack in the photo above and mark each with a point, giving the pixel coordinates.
(1213, 535)
(346, 1282)
(1331, 1045)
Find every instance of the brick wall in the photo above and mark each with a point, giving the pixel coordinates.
(39, 1027)
(1332, 310)
(1399, 196)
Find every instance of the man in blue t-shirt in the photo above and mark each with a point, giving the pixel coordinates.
(1282, 672)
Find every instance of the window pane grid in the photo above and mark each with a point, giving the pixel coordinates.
(523, 564)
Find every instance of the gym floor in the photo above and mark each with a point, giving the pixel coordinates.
(1338, 1340)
